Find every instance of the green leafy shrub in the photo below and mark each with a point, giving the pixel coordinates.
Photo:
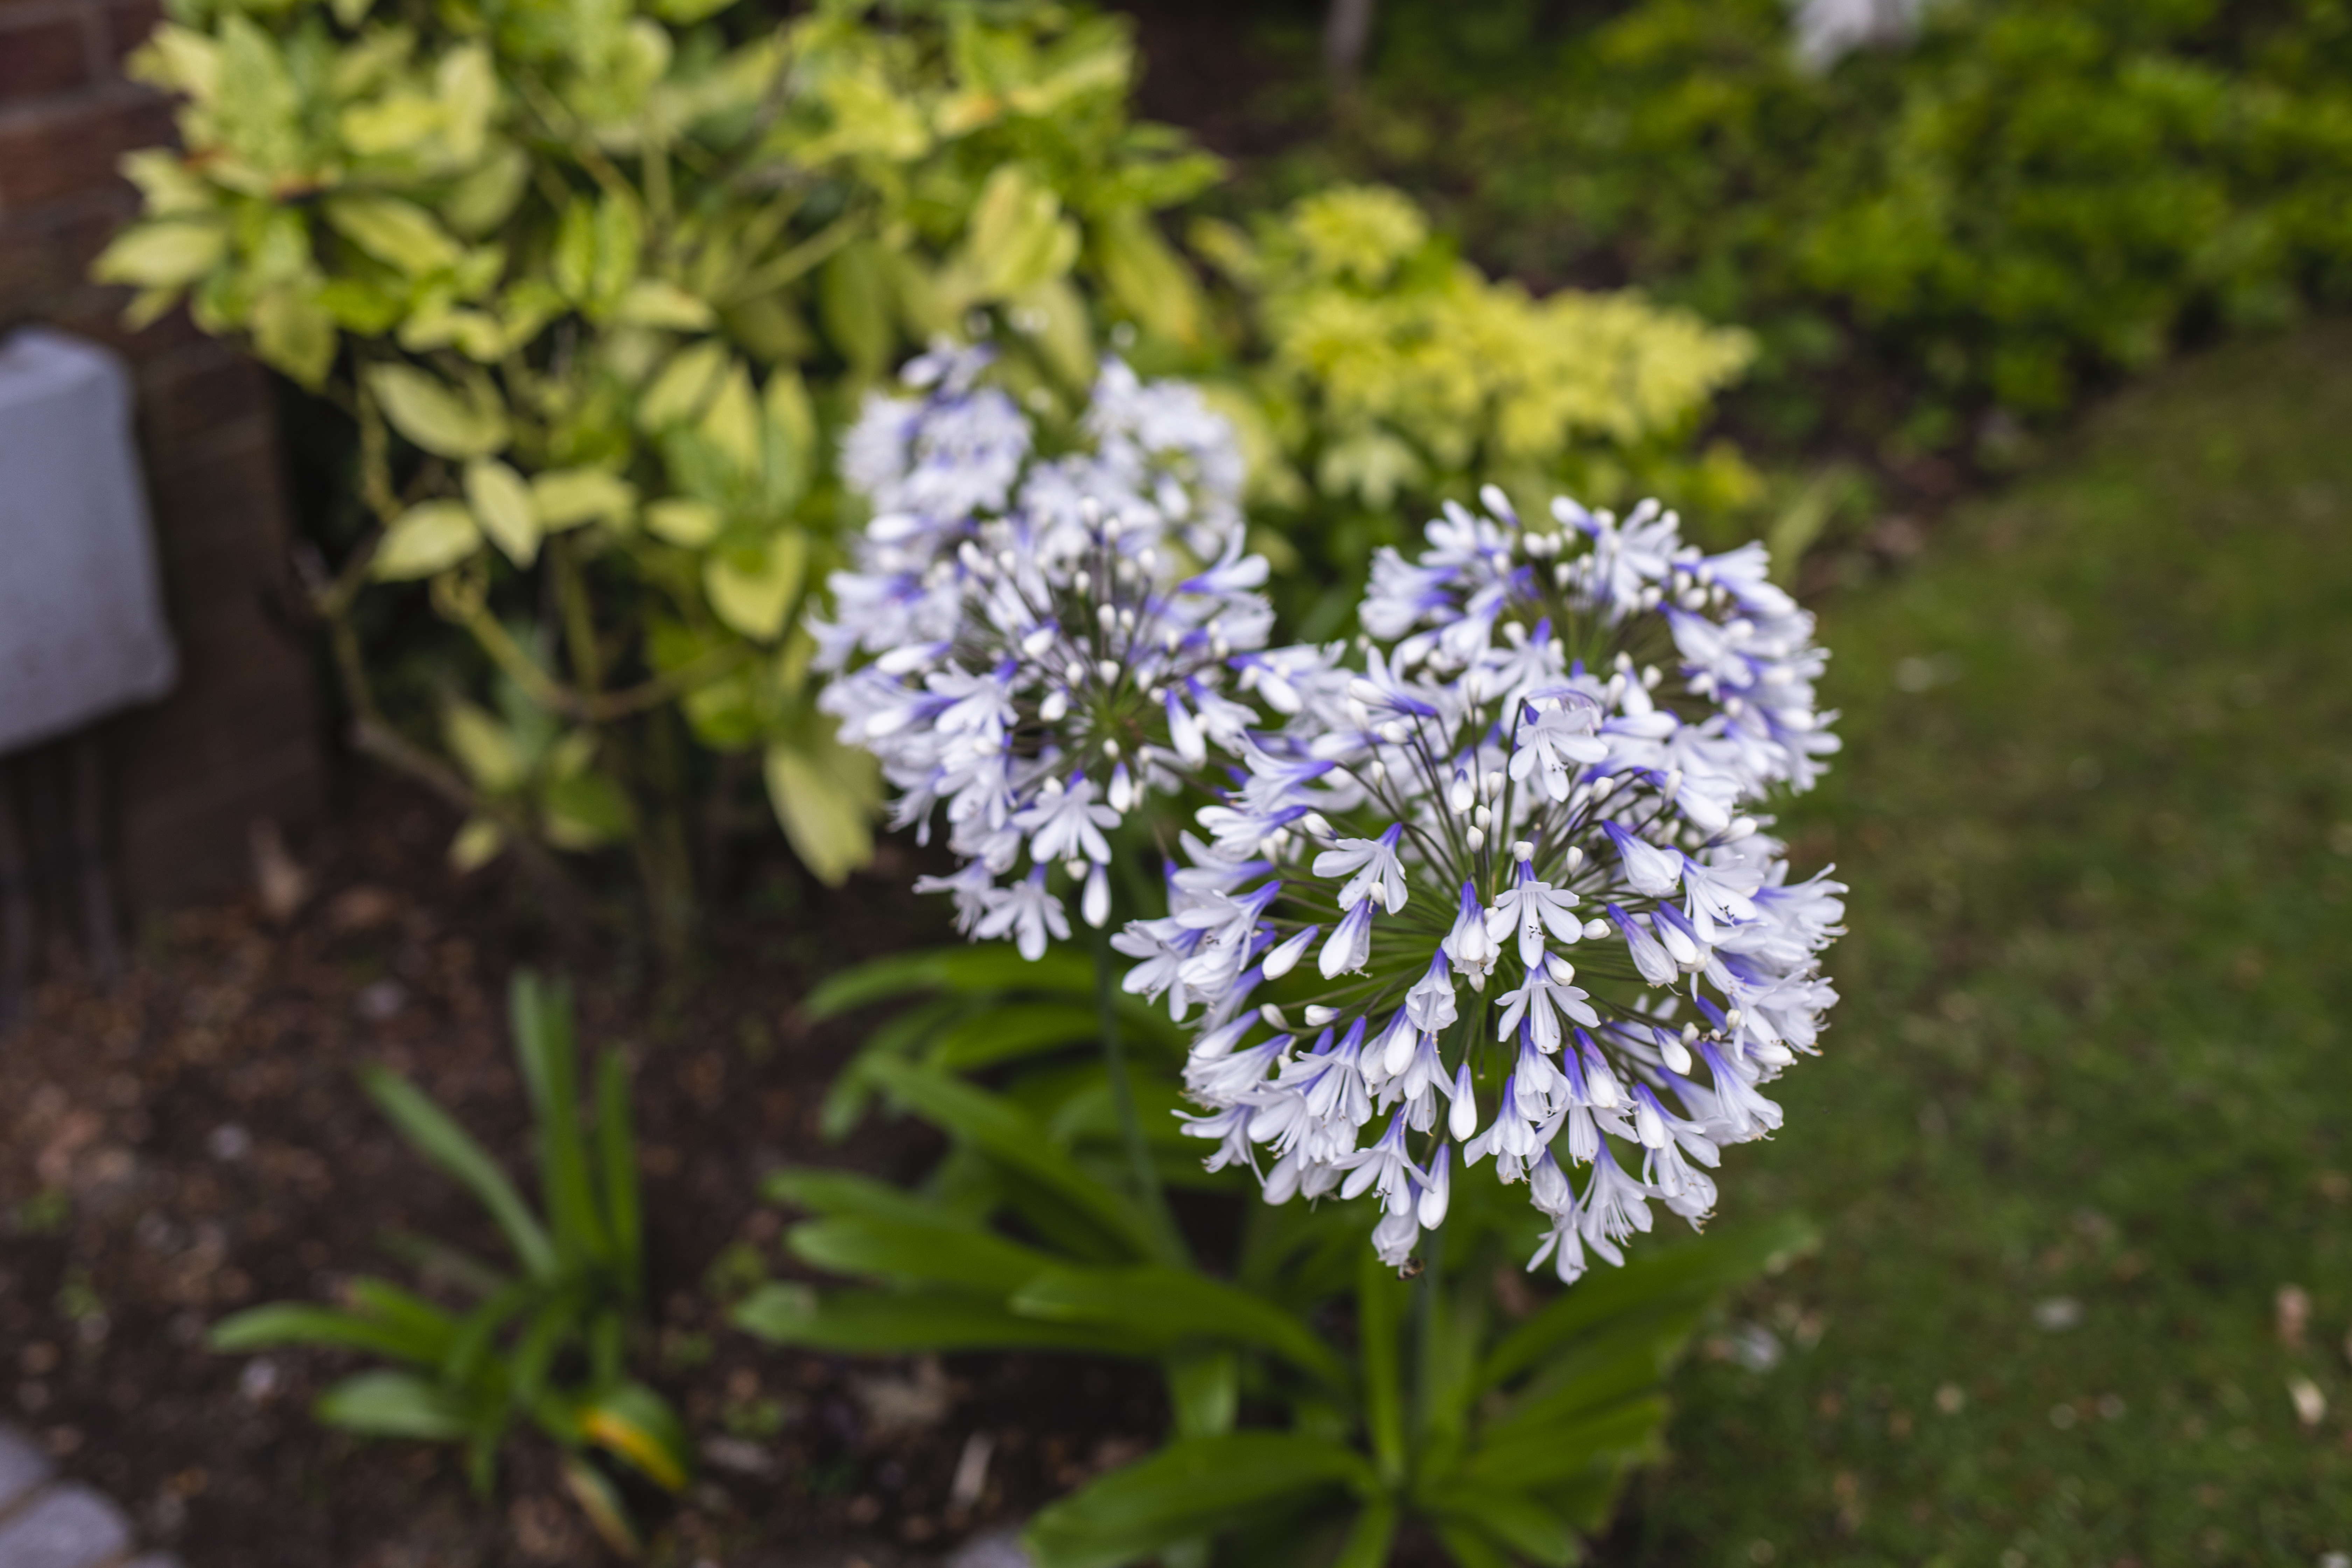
(1506, 1437)
(1390, 375)
(597, 282)
(2027, 200)
(545, 1345)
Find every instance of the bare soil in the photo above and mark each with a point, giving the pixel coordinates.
(194, 1141)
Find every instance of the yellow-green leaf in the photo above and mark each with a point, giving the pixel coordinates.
(481, 201)
(359, 306)
(477, 843)
(1018, 239)
(467, 82)
(683, 386)
(369, 61)
(601, 1500)
(396, 123)
(1147, 278)
(259, 114)
(652, 302)
(870, 117)
(732, 422)
(162, 254)
(571, 754)
(398, 233)
(691, 523)
(772, 329)
(927, 297)
(634, 1423)
(1054, 314)
(573, 263)
(478, 335)
(424, 408)
(853, 298)
(427, 538)
(566, 498)
(825, 795)
(503, 505)
(148, 306)
(179, 59)
(789, 435)
(583, 811)
(293, 332)
(619, 248)
(1096, 56)
(753, 587)
(169, 187)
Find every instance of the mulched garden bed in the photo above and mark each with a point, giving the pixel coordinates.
(194, 1140)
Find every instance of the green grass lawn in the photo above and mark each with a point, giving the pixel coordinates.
(2088, 1105)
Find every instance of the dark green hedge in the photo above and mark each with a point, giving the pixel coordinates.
(2031, 198)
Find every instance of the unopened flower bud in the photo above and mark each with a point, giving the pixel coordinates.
(1461, 1119)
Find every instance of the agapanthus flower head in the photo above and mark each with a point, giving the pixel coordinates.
(1505, 844)
(1032, 645)
(1485, 891)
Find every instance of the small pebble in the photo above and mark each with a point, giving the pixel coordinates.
(258, 1381)
(2057, 1314)
(383, 1000)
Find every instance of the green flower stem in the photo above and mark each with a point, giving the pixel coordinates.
(1130, 1126)
(1426, 1305)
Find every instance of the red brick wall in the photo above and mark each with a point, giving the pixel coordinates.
(238, 739)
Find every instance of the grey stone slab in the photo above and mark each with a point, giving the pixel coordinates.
(81, 607)
(23, 1468)
(65, 1527)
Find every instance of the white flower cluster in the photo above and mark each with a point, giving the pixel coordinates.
(1040, 642)
(1509, 828)
(1500, 854)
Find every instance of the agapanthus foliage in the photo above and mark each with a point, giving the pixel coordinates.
(1488, 882)
(1045, 637)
